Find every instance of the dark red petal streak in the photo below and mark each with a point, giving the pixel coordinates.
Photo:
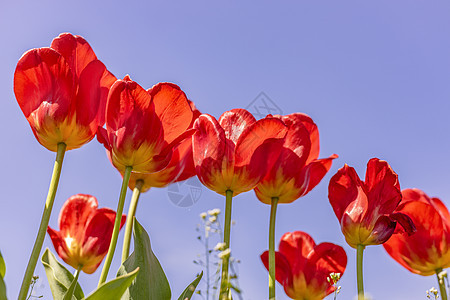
(75, 213)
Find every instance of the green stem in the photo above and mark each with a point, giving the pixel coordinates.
(69, 294)
(441, 282)
(61, 150)
(273, 212)
(130, 217)
(224, 284)
(115, 234)
(359, 271)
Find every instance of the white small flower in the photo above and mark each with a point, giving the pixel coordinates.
(214, 212)
(219, 247)
(224, 253)
(212, 219)
(203, 215)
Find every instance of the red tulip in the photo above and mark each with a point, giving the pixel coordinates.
(144, 127)
(302, 267)
(231, 154)
(62, 91)
(180, 167)
(296, 170)
(85, 232)
(428, 250)
(367, 210)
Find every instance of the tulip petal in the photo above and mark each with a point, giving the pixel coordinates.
(99, 229)
(234, 122)
(383, 188)
(283, 272)
(75, 49)
(328, 258)
(384, 228)
(91, 96)
(58, 243)
(296, 247)
(405, 222)
(172, 108)
(427, 249)
(313, 173)
(44, 85)
(308, 123)
(209, 152)
(344, 188)
(75, 213)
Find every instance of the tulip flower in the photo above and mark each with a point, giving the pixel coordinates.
(62, 92)
(85, 232)
(180, 167)
(143, 129)
(303, 268)
(296, 171)
(230, 157)
(367, 210)
(427, 251)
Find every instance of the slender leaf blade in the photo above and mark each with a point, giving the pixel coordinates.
(151, 283)
(189, 291)
(59, 278)
(114, 289)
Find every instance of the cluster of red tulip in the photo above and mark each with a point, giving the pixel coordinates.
(156, 137)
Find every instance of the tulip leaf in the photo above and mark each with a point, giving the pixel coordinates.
(2, 274)
(59, 278)
(114, 289)
(2, 266)
(151, 283)
(189, 291)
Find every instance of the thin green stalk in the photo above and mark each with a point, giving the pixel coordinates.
(115, 234)
(441, 282)
(359, 271)
(130, 217)
(224, 284)
(61, 150)
(273, 212)
(68, 295)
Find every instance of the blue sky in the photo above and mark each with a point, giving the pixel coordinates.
(374, 76)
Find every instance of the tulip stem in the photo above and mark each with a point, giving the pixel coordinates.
(68, 295)
(273, 212)
(61, 150)
(359, 271)
(130, 218)
(441, 282)
(115, 234)
(225, 284)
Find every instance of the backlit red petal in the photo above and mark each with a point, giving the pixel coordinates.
(309, 124)
(296, 247)
(75, 213)
(312, 174)
(75, 49)
(172, 108)
(344, 188)
(283, 272)
(44, 85)
(234, 122)
(383, 188)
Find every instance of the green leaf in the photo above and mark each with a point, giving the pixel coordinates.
(114, 289)
(59, 278)
(189, 291)
(2, 266)
(2, 289)
(151, 283)
(2, 274)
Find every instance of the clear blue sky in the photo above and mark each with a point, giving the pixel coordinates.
(374, 75)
